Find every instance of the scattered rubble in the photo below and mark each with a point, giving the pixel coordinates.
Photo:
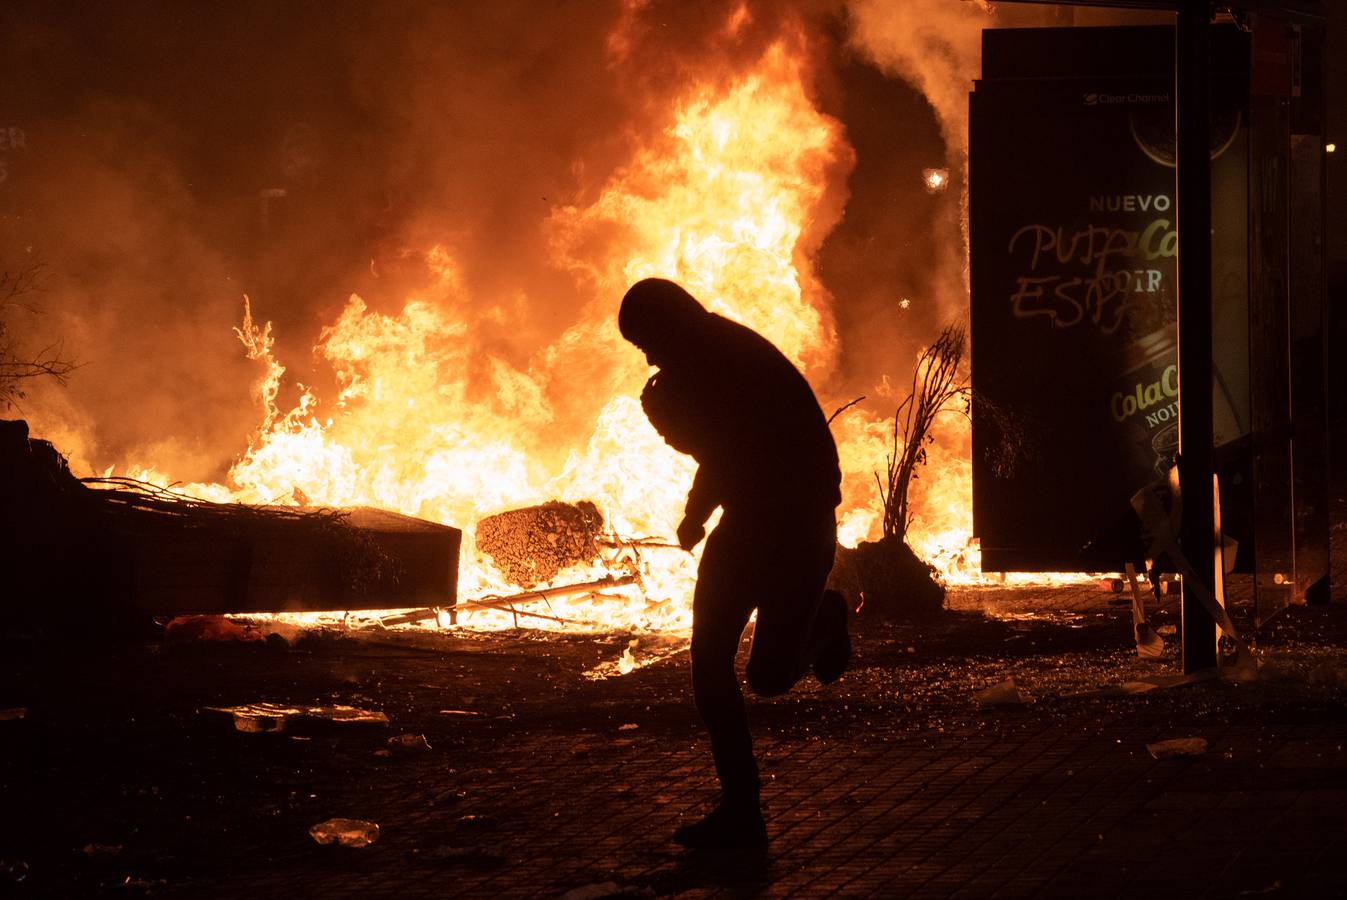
(345, 832)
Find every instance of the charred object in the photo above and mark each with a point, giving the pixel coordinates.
(885, 580)
(531, 546)
(117, 551)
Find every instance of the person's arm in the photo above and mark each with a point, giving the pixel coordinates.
(702, 501)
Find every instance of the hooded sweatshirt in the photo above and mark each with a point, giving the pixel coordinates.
(727, 397)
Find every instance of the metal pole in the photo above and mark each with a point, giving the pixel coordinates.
(1192, 77)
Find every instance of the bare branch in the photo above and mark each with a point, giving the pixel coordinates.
(936, 384)
(16, 366)
(844, 407)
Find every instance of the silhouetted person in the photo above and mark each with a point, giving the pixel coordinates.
(727, 397)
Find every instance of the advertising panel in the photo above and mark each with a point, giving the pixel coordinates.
(1073, 254)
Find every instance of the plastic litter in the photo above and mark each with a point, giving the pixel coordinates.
(1005, 693)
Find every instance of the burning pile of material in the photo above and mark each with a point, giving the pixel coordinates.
(459, 396)
(532, 546)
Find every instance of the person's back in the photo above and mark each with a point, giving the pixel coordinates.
(731, 400)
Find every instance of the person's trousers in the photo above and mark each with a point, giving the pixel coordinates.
(777, 563)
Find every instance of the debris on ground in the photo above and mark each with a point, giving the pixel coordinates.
(509, 603)
(345, 832)
(459, 712)
(1149, 644)
(259, 718)
(530, 546)
(629, 726)
(142, 884)
(1190, 746)
(102, 851)
(409, 743)
(1005, 693)
(886, 581)
(653, 649)
(210, 628)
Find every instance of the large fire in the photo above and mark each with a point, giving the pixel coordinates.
(730, 200)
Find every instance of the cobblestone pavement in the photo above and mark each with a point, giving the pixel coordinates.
(892, 783)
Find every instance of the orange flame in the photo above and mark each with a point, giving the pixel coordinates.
(731, 201)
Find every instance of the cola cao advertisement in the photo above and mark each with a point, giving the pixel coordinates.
(1073, 269)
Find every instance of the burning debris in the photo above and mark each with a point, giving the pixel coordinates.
(886, 578)
(511, 603)
(159, 551)
(531, 546)
(261, 718)
(353, 833)
(936, 180)
(730, 181)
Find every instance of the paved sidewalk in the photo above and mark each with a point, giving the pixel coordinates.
(892, 783)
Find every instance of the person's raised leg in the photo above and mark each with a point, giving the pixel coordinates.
(799, 623)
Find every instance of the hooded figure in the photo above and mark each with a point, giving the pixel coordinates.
(724, 395)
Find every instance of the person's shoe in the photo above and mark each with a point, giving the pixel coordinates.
(727, 827)
(835, 656)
